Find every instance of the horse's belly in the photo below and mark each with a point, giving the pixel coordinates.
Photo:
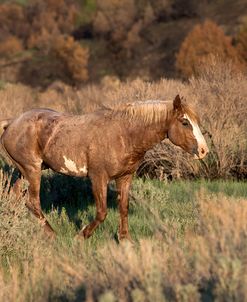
(68, 166)
(67, 161)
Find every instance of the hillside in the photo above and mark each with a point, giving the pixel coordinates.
(154, 55)
(83, 41)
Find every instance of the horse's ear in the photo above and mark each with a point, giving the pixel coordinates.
(177, 103)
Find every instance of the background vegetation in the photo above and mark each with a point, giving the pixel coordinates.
(187, 218)
(219, 94)
(77, 41)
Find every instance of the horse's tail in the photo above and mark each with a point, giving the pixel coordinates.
(4, 124)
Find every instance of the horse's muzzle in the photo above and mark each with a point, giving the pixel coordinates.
(201, 152)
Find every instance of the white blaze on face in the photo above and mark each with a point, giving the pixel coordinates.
(202, 145)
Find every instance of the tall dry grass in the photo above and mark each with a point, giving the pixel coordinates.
(219, 94)
(206, 262)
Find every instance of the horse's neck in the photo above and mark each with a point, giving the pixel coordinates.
(145, 137)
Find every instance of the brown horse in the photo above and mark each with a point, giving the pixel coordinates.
(104, 145)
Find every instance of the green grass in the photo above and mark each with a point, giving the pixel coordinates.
(87, 10)
(69, 204)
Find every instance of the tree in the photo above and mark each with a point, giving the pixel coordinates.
(205, 40)
(73, 56)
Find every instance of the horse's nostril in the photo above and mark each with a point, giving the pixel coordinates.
(203, 151)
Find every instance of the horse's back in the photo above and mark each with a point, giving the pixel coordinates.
(21, 138)
(74, 145)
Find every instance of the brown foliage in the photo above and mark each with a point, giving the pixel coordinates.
(73, 56)
(36, 26)
(204, 40)
(242, 42)
(12, 20)
(10, 46)
(123, 21)
(48, 19)
(114, 17)
(162, 8)
(51, 20)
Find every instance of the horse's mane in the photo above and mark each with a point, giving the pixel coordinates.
(150, 111)
(190, 111)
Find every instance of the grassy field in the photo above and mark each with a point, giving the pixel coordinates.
(190, 244)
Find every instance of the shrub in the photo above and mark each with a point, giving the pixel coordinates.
(242, 42)
(221, 92)
(36, 26)
(122, 22)
(15, 99)
(73, 56)
(115, 18)
(204, 40)
(10, 46)
(47, 19)
(13, 20)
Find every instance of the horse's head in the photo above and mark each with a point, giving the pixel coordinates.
(184, 130)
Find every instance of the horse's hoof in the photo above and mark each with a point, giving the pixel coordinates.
(48, 229)
(50, 234)
(125, 239)
(126, 244)
(79, 238)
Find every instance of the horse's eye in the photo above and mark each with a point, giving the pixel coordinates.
(185, 123)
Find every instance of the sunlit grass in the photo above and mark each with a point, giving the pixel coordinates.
(174, 202)
(190, 244)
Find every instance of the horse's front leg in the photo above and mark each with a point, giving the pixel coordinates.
(99, 186)
(123, 186)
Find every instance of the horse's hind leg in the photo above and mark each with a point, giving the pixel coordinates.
(99, 186)
(33, 176)
(17, 187)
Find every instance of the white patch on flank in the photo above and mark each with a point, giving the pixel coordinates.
(64, 170)
(198, 136)
(70, 165)
(84, 169)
